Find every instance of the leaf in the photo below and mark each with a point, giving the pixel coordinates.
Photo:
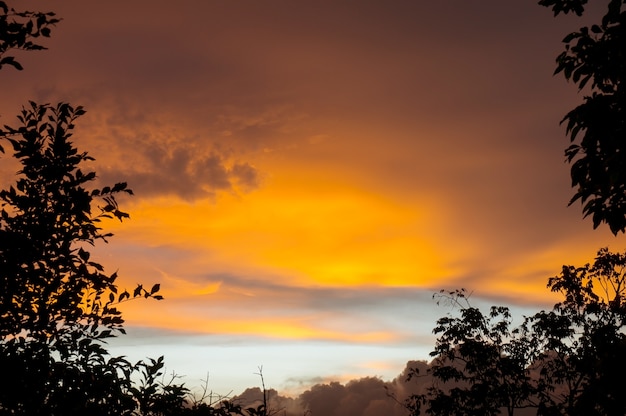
(9, 60)
(105, 334)
(155, 289)
(119, 187)
(84, 255)
(570, 37)
(137, 291)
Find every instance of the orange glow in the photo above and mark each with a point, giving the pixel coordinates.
(283, 328)
(317, 233)
(182, 287)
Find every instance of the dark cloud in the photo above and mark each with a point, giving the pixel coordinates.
(369, 396)
(182, 172)
(245, 175)
(277, 404)
(373, 305)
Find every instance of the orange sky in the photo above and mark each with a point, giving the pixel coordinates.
(309, 173)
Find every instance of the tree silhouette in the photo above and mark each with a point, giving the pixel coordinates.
(583, 339)
(57, 305)
(19, 30)
(565, 361)
(594, 57)
(480, 366)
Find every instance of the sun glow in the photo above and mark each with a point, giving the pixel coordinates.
(315, 234)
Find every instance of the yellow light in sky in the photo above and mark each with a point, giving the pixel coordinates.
(270, 327)
(317, 234)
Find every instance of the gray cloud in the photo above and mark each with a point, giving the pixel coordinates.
(182, 173)
(367, 396)
(277, 404)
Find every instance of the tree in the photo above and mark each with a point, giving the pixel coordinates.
(583, 339)
(560, 362)
(480, 366)
(19, 30)
(49, 282)
(57, 305)
(595, 58)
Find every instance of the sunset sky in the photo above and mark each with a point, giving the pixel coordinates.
(308, 173)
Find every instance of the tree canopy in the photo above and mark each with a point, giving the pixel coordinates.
(19, 30)
(57, 305)
(563, 361)
(594, 59)
(560, 362)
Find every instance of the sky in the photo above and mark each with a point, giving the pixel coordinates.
(308, 174)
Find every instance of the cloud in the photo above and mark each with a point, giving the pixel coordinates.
(363, 397)
(273, 308)
(368, 396)
(277, 404)
(181, 172)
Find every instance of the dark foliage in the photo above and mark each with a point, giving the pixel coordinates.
(19, 30)
(480, 366)
(560, 362)
(583, 339)
(57, 305)
(595, 57)
(48, 282)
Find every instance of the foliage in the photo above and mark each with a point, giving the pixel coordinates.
(57, 305)
(583, 339)
(18, 31)
(595, 57)
(559, 362)
(49, 283)
(480, 366)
